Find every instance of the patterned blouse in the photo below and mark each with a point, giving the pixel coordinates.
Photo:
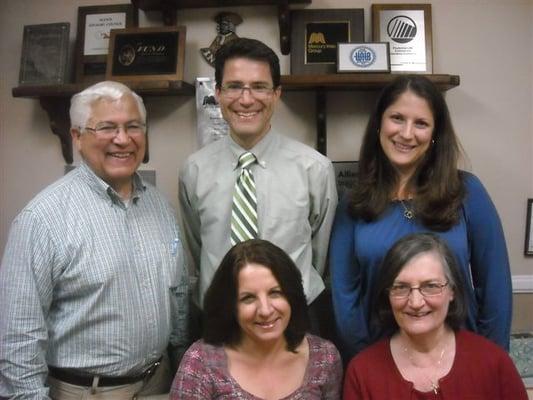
(203, 374)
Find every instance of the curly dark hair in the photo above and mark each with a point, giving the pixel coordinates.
(437, 182)
(220, 303)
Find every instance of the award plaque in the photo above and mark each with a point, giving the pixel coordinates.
(407, 29)
(363, 57)
(92, 42)
(144, 54)
(315, 34)
(44, 57)
(345, 175)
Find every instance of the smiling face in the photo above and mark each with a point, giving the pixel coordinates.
(248, 116)
(418, 315)
(406, 132)
(114, 159)
(263, 311)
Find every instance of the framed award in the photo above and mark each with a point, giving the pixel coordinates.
(407, 29)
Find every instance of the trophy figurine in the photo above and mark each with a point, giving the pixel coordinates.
(226, 23)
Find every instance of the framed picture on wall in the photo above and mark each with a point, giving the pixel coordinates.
(528, 245)
(92, 41)
(407, 29)
(315, 34)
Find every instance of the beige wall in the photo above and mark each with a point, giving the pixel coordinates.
(489, 43)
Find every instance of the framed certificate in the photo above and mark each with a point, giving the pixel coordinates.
(92, 42)
(407, 29)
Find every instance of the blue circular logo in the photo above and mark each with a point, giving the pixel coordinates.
(363, 56)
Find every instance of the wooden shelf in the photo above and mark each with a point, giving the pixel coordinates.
(366, 81)
(148, 88)
(321, 84)
(55, 100)
(169, 10)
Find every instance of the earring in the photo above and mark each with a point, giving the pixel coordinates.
(432, 141)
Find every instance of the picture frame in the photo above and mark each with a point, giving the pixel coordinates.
(407, 28)
(363, 57)
(44, 56)
(345, 175)
(92, 41)
(146, 54)
(315, 34)
(528, 243)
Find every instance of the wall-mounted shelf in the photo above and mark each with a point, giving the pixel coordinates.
(320, 84)
(169, 10)
(55, 100)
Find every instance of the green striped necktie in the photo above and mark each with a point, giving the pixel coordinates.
(244, 208)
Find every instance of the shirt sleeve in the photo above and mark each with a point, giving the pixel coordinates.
(512, 387)
(489, 262)
(324, 202)
(192, 381)
(346, 285)
(352, 389)
(25, 296)
(190, 220)
(333, 385)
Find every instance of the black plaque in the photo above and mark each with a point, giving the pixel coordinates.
(44, 57)
(150, 53)
(315, 34)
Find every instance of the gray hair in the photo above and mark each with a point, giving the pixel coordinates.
(81, 103)
(405, 250)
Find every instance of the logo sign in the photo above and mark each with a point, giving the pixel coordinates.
(363, 56)
(401, 29)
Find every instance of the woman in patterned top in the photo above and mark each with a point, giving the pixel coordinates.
(255, 344)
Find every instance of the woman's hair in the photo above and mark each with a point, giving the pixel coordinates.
(437, 182)
(404, 251)
(221, 325)
(81, 103)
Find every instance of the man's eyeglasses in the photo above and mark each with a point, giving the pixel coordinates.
(257, 90)
(109, 130)
(427, 289)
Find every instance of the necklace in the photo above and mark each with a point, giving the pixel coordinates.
(407, 213)
(433, 382)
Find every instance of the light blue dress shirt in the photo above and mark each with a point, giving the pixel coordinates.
(89, 283)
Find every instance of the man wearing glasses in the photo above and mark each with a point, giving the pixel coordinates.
(93, 287)
(256, 182)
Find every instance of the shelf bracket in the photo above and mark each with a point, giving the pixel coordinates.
(57, 109)
(284, 27)
(321, 122)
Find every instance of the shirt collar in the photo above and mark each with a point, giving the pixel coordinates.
(260, 150)
(105, 190)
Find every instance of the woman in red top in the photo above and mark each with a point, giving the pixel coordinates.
(419, 301)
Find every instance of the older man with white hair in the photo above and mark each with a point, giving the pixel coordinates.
(93, 287)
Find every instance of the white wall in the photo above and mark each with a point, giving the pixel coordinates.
(489, 43)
